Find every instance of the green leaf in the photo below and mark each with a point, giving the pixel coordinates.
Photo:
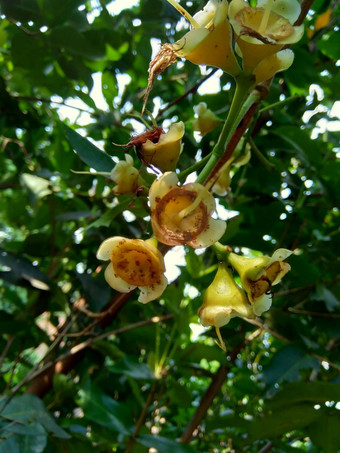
(34, 429)
(275, 424)
(316, 392)
(324, 294)
(70, 39)
(88, 152)
(102, 409)
(24, 444)
(97, 293)
(325, 432)
(23, 269)
(109, 87)
(287, 363)
(130, 366)
(107, 218)
(28, 409)
(164, 445)
(329, 45)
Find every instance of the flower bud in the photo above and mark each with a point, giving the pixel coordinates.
(206, 120)
(223, 300)
(164, 153)
(258, 275)
(126, 176)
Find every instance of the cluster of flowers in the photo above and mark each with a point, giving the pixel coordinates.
(222, 32)
(182, 214)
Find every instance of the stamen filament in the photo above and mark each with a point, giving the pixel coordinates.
(265, 17)
(184, 13)
(180, 215)
(221, 344)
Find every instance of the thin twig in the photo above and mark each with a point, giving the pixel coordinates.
(6, 349)
(210, 394)
(191, 90)
(75, 350)
(142, 416)
(313, 313)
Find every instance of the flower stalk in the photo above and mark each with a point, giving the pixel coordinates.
(240, 104)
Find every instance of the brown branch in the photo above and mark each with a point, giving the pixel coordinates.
(191, 90)
(42, 379)
(313, 313)
(142, 416)
(208, 397)
(6, 349)
(305, 7)
(236, 137)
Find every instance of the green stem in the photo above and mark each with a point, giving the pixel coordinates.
(235, 114)
(221, 251)
(265, 162)
(280, 103)
(183, 174)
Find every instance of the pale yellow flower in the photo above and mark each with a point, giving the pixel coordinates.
(262, 31)
(182, 214)
(223, 300)
(126, 176)
(164, 153)
(206, 120)
(134, 263)
(258, 275)
(210, 40)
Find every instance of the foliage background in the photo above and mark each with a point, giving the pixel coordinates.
(67, 384)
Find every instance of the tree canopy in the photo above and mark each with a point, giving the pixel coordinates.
(85, 366)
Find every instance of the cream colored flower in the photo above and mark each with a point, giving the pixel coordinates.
(182, 215)
(258, 275)
(134, 263)
(164, 153)
(262, 31)
(210, 40)
(206, 120)
(126, 176)
(223, 300)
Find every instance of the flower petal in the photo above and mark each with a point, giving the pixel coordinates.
(262, 304)
(217, 316)
(289, 9)
(105, 250)
(116, 282)
(149, 293)
(165, 152)
(213, 233)
(280, 255)
(274, 63)
(161, 186)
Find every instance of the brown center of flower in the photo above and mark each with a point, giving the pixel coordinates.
(276, 27)
(259, 287)
(273, 271)
(136, 264)
(264, 284)
(181, 215)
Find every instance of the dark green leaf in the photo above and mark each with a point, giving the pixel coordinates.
(133, 368)
(325, 432)
(89, 153)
